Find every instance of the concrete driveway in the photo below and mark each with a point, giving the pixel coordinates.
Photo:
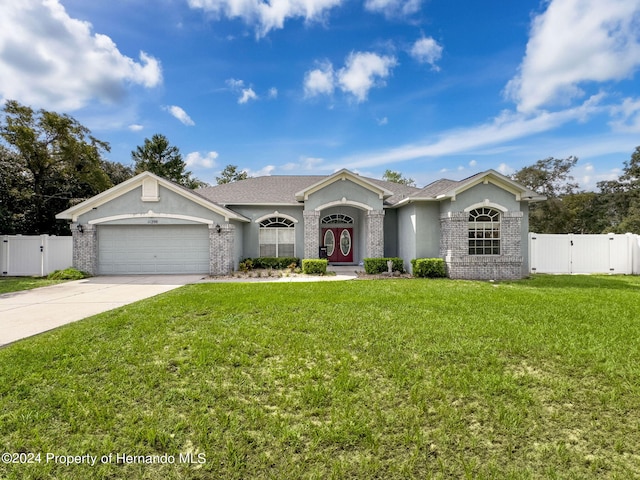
(30, 312)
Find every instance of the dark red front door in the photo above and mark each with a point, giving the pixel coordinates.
(339, 243)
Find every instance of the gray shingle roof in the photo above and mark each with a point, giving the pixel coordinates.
(281, 189)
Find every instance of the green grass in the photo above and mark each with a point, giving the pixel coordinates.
(15, 284)
(361, 379)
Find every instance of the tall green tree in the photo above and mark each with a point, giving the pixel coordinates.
(550, 177)
(396, 177)
(621, 198)
(158, 156)
(231, 174)
(58, 159)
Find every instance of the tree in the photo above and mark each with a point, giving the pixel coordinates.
(622, 197)
(549, 177)
(55, 158)
(231, 174)
(116, 172)
(396, 177)
(165, 160)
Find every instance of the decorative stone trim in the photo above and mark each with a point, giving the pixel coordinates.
(221, 249)
(85, 248)
(375, 233)
(311, 233)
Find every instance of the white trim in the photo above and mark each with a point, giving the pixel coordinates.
(275, 214)
(343, 202)
(487, 204)
(150, 214)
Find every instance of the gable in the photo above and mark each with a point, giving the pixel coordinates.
(142, 194)
(344, 192)
(341, 176)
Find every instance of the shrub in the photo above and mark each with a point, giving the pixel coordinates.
(314, 266)
(67, 274)
(429, 268)
(246, 265)
(279, 263)
(374, 266)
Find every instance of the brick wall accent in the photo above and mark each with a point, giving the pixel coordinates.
(221, 249)
(311, 233)
(375, 233)
(454, 248)
(85, 248)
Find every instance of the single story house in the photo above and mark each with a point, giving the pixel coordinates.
(148, 224)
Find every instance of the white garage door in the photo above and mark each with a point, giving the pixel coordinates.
(142, 249)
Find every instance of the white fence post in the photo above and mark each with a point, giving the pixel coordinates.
(4, 255)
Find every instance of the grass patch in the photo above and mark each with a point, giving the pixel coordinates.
(15, 284)
(394, 379)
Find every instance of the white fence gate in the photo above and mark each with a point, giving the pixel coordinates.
(610, 253)
(38, 255)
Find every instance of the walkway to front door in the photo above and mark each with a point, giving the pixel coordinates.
(339, 244)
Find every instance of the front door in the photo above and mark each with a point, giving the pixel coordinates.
(339, 244)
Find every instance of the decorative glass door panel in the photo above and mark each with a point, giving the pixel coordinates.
(329, 241)
(343, 252)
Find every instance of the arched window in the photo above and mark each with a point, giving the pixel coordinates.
(277, 237)
(484, 231)
(337, 218)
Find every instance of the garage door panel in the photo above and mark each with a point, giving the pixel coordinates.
(142, 249)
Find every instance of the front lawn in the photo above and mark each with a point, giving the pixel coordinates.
(15, 284)
(360, 379)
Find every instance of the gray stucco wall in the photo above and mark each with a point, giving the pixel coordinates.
(131, 203)
(249, 241)
(407, 233)
(391, 233)
(343, 189)
(428, 230)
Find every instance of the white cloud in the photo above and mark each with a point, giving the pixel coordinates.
(180, 114)
(393, 8)
(234, 84)
(247, 94)
(320, 81)
(505, 169)
(196, 159)
(505, 127)
(50, 60)
(263, 172)
(627, 116)
(574, 42)
(363, 71)
(135, 127)
(427, 50)
(382, 121)
(273, 92)
(473, 163)
(267, 15)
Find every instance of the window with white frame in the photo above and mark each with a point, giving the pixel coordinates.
(277, 237)
(484, 231)
(337, 218)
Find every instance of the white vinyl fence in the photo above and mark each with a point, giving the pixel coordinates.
(610, 253)
(39, 255)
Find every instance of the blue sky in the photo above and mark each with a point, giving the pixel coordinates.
(431, 88)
